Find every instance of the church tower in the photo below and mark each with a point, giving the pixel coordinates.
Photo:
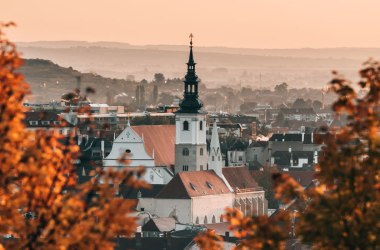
(191, 147)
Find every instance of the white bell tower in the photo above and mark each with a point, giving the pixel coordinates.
(191, 146)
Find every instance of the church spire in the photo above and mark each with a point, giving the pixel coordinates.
(190, 102)
(215, 161)
(191, 57)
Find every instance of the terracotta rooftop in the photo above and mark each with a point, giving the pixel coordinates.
(239, 177)
(161, 138)
(193, 184)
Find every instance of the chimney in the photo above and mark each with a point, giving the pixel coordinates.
(254, 129)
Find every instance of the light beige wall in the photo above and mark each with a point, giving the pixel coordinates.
(181, 208)
(207, 206)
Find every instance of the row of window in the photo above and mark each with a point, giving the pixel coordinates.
(186, 152)
(186, 167)
(44, 122)
(186, 125)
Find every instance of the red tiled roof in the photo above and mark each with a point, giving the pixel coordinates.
(239, 177)
(193, 184)
(162, 139)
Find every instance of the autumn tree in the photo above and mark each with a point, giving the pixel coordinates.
(341, 210)
(41, 204)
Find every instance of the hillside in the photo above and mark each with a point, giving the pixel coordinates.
(216, 66)
(49, 81)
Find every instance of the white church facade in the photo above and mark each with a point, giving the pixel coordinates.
(131, 146)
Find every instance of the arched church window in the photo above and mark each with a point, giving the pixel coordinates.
(197, 220)
(201, 151)
(221, 218)
(200, 125)
(213, 219)
(185, 125)
(205, 220)
(185, 152)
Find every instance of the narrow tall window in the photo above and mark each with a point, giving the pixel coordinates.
(185, 152)
(200, 125)
(185, 125)
(201, 151)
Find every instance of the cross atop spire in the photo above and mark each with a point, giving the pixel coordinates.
(191, 39)
(191, 62)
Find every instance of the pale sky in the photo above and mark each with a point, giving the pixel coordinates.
(231, 23)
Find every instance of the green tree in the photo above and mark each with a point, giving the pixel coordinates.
(299, 103)
(155, 93)
(317, 105)
(281, 88)
(159, 78)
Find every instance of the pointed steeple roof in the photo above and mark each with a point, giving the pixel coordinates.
(215, 160)
(215, 145)
(215, 157)
(190, 103)
(191, 57)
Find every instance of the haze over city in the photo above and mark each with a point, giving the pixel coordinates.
(199, 124)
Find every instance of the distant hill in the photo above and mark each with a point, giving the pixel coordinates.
(337, 53)
(216, 66)
(49, 81)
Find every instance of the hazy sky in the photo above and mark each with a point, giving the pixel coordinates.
(232, 23)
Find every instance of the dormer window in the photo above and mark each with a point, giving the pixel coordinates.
(186, 125)
(209, 185)
(45, 122)
(33, 122)
(193, 186)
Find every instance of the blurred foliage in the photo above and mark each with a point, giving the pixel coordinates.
(41, 204)
(341, 209)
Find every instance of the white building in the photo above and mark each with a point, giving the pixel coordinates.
(131, 146)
